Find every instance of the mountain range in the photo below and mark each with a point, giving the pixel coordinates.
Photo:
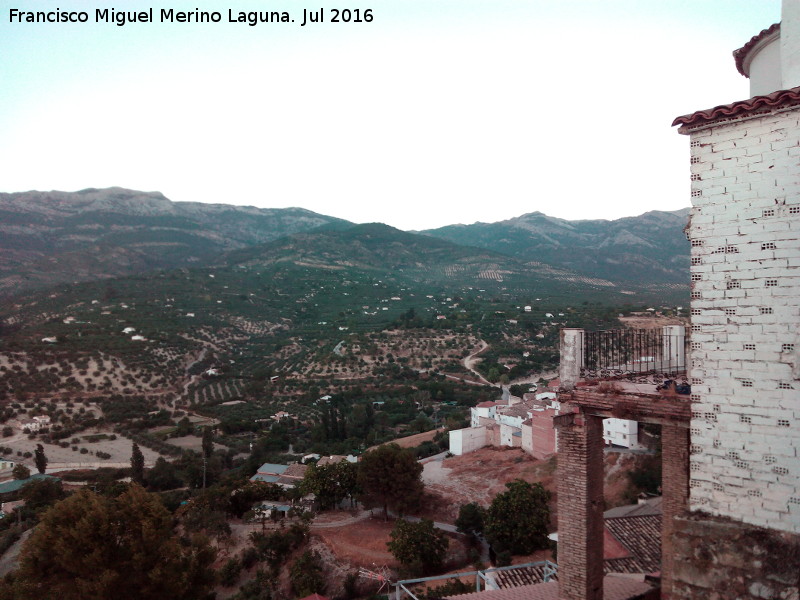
(49, 238)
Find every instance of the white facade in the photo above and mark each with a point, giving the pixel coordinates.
(621, 432)
(745, 237)
(467, 440)
(485, 410)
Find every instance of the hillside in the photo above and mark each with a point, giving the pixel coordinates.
(643, 250)
(48, 238)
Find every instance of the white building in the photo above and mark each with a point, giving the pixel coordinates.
(745, 298)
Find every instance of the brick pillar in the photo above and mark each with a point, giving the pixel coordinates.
(675, 491)
(580, 506)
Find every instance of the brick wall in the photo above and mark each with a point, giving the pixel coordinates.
(745, 255)
(675, 491)
(580, 507)
(720, 559)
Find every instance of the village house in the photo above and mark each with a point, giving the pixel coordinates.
(529, 425)
(286, 476)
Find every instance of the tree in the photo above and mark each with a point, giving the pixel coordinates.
(389, 477)
(518, 519)
(137, 464)
(20, 471)
(420, 547)
(40, 494)
(163, 476)
(306, 575)
(471, 519)
(39, 459)
(92, 547)
(330, 483)
(208, 441)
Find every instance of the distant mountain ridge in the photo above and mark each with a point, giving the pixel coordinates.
(647, 248)
(57, 237)
(48, 238)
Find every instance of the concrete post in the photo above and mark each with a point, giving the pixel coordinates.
(580, 506)
(571, 361)
(673, 347)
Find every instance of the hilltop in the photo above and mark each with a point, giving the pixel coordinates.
(48, 238)
(649, 248)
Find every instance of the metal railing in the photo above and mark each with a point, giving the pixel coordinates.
(629, 352)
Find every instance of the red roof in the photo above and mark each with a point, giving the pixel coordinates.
(485, 405)
(744, 108)
(741, 54)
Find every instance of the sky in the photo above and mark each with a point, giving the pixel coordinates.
(435, 112)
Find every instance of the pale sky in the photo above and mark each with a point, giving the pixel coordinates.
(436, 112)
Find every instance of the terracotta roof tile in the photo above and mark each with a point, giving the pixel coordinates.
(615, 587)
(741, 54)
(641, 535)
(737, 110)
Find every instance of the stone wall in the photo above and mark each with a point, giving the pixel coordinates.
(721, 559)
(745, 315)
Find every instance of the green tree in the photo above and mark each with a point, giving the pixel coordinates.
(208, 441)
(390, 477)
(137, 464)
(163, 476)
(20, 471)
(39, 459)
(330, 483)
(92, 547)
(306, 575)
(420, 547)
(470, 519)
(518, 519)
(40, 494)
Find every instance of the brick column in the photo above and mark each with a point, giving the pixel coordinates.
(580, 506)
(675, 491)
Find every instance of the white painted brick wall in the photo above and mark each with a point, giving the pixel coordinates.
(746, 461)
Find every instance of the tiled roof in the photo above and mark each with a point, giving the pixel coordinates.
(296, 470)
(485, 405)
(517, 410)
(265, 478)
(16, 484)
(517, 577)
(741, 54)
(615, 587)
(641, 535)
(743, 108)
(651, 506)
(272, 468)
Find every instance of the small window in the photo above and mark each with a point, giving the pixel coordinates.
(768, 212)
(771, 283)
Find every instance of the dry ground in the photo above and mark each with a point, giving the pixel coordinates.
(119, 449)
(479, 476)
